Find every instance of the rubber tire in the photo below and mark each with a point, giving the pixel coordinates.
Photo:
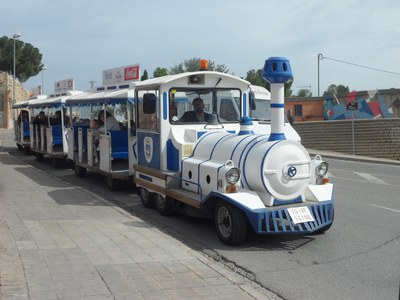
(163, 205)
(113, 184)
(230, 223)
(79, 171)
(147, 198)
(39, 156)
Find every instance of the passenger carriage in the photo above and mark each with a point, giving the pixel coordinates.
(21, 118)
(110, 153)
(49, 137)
(222, 168)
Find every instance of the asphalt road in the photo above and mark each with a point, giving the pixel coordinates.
(358, 258)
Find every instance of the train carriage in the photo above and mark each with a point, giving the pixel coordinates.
(109, 152)
(21, 118)
(49, 126)
(217, 166)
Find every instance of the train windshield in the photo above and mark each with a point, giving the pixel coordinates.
(260, 110)
(197, 105)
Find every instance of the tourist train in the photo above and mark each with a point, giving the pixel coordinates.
(201, 143)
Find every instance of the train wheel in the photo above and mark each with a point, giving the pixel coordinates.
(230, 222)
(79, 171)
(147, 198)
(113, 184)
(164, 205)
(39, 156)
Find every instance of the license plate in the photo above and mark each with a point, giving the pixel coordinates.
(300, 214)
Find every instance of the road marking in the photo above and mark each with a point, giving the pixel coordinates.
(387, 208)
(370, 178)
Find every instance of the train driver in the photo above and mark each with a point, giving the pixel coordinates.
(196, 115)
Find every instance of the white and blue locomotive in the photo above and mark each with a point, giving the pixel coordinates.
(220, 167)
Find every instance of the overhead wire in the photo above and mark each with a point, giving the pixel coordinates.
(358, 65)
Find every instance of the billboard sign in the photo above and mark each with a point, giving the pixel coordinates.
(121, 74)
(64, 85)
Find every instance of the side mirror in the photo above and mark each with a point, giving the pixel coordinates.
(149, 103)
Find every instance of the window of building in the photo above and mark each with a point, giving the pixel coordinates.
(298, 110)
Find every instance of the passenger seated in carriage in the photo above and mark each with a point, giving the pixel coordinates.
(110, 121)
(24, 116)
(40, 119)
(56, 119)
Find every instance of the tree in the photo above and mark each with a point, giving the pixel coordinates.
(255, 78)
(304, 93)
(28, 59)
(334, 89)
(193, 64)
(145, 76)
(159, 72)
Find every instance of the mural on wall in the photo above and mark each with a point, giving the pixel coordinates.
(370, 106)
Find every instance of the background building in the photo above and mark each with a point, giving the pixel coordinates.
(6, 94)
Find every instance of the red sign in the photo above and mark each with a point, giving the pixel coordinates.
(131, 73)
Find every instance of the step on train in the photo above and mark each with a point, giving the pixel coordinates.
(202, 143)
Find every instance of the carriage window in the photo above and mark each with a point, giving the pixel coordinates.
(197, 105)
(147, 110)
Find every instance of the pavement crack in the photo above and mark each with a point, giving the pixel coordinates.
(105, 283)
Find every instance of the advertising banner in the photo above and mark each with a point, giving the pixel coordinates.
(121, 75)
(64, 85)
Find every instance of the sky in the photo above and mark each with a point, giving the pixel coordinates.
(79, 38)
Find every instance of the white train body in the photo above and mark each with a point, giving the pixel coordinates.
(261, 114)
(227, 167)
(238, 162)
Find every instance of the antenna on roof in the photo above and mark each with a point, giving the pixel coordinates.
(92, 84)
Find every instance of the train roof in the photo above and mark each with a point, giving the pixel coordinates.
(21, 104)
(100, 97)
(53, 100)
(260, 92)
(25, 103)
(153, 83)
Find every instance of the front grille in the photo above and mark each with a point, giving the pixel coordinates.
(279, 221)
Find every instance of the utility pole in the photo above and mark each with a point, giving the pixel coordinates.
(92, 82)
(320, 57)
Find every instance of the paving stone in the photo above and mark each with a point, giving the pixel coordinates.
(71, 244)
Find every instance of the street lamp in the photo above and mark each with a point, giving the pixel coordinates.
(15, 36)
(320, 57)
(43, 69)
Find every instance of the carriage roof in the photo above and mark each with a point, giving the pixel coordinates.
(100, 97)
(155, 82)
(53, 100)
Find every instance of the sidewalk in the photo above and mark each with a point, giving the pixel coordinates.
(58, 241)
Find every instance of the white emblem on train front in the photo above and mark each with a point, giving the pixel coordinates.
(148, 148)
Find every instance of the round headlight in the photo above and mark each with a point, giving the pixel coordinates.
(233, 176)
(322, 169)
